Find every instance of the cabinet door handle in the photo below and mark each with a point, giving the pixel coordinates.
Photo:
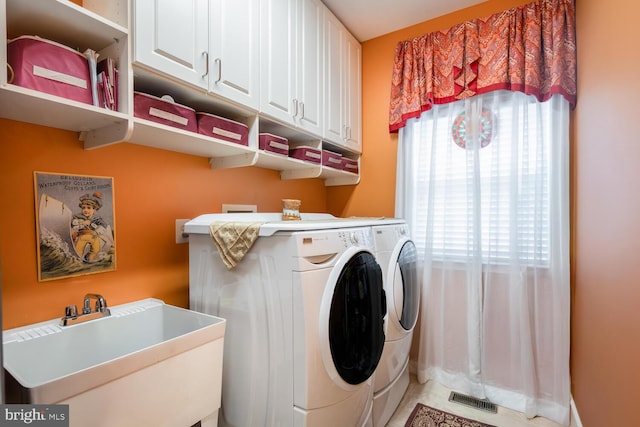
(295, 108)
(219, 62)
(301, 110)
(206, 59)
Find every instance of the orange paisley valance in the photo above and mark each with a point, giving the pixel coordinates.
(531, 49)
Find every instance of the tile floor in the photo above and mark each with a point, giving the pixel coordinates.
(437, 396)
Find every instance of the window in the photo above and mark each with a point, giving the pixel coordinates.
(480, 177)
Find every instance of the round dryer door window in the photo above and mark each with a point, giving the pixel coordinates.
(358, 306)
(408, 302)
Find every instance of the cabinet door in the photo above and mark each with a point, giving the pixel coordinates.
(173, 38)
(233, 59)
(310, 65)
(334, 119)
(277, 51)
(353, 94)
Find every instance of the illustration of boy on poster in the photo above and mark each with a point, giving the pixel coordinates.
(88, 229)
(74, 241)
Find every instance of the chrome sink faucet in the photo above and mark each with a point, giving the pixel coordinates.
(71, 315)
(101, 304)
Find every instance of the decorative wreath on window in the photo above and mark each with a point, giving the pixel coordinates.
(487, 128)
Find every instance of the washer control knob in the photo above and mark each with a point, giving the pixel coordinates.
(354, 237)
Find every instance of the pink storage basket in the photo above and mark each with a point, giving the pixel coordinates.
(222, 128)
(308, 154)
(273, 143)
(49, 67)
(350, 165)
(164, 110)
(331, 159)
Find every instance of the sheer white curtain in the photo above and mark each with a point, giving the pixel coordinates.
(489, 213)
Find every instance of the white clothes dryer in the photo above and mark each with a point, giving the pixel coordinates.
(397, 255)
(305, 316)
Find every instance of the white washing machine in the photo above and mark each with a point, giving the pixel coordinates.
(305, 316)
(397, 255)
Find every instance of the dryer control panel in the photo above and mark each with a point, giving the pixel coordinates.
(325, 242)
(356, 237)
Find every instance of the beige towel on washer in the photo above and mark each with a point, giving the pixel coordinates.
(234, 239)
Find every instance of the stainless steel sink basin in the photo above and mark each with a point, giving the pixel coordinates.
(48, 363)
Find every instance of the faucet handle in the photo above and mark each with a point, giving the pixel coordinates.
(71, 311)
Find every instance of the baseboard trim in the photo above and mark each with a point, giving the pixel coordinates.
(574, 415)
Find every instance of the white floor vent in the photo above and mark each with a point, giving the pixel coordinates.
(483, 405)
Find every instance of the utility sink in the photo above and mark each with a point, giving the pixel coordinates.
(149, 363)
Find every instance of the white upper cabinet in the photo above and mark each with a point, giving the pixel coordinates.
(342, 103)
(310, 63)
(334, 118)
(292, 62)
(277, 51)
(353, 94)
(233, 58)
(209, 44)
(173, 37)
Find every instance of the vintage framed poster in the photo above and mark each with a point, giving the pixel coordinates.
(75, 224)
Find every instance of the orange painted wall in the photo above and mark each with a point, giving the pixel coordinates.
(152, 188)
(606, 302)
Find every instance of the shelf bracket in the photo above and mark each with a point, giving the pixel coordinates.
(108, 135)
(313, 172)
(346, 180)
(235, 161)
